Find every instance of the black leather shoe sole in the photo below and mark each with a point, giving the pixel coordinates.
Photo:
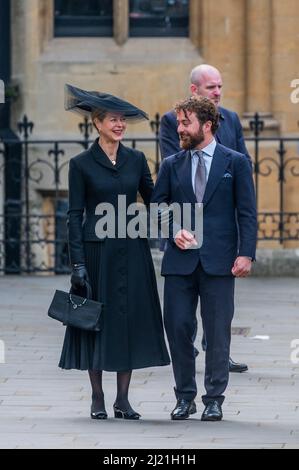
(192, 411)
(238, 369)
(120, 414)
(99, 415)
(211, 418)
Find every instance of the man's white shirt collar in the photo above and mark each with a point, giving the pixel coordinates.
(208, 150)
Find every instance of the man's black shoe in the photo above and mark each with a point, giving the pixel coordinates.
(183, 409)
(236, 366)
(212, 412)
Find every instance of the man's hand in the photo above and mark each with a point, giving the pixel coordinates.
(242, 266)
(184, 240)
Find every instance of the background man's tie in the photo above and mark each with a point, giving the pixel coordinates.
(200, 177)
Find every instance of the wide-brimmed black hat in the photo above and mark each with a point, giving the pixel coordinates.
(85, 102)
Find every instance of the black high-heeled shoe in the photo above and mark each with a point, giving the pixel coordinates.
(98, 414)
(118, 413)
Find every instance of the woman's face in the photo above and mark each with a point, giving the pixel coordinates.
(112, 128)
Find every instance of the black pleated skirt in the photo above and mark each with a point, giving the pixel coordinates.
(122, 276)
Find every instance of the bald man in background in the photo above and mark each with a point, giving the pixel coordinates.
(206, 81)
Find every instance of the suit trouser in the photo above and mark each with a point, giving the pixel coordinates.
(181, 295)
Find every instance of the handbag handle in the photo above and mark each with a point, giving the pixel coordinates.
(88, 296)
(74, 303)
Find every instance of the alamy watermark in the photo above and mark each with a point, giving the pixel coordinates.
(155, 221)
(2, 92)
(2, 352)
(295, 353)
(295, 93)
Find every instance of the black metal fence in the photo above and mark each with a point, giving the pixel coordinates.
(33, 179)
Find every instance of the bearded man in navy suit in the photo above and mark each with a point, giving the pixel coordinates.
(220, 179)
(206, 81)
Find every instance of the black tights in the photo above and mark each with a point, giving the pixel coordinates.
(123, 382)
(98, 402)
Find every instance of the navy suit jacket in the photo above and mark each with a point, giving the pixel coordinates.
(229, 211)
(229, 133)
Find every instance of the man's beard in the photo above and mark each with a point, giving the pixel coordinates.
(191, 141)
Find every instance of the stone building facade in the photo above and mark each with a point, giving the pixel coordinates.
(254, 43)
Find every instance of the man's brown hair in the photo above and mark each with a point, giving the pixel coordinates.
(202, 107)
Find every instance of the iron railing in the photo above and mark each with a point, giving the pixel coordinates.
(33, 237)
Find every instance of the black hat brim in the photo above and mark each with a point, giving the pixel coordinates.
(85, 102)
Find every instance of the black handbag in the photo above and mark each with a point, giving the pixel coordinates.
(76, 311)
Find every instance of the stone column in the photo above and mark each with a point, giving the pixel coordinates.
(46, 21)
(223, 45)
(259, 67)
(195, 22)
(26, 48)
(120, 21)
(258, 55)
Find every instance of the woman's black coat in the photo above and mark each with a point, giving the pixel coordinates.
(92, 180)
(120, 269)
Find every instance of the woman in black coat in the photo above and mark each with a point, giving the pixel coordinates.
(120, 270)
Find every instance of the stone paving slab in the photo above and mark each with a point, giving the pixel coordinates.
(42, 406)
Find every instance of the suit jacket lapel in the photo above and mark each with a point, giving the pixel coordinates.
(183, 171)
(218, 135)
(225, 134)
(219, 164)
(221, 131)
(122, 156)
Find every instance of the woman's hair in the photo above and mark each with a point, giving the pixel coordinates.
(202, 107)
(99, 114)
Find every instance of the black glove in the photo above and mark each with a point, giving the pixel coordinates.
(79, 276)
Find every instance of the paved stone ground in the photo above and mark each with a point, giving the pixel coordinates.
(42, 406)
